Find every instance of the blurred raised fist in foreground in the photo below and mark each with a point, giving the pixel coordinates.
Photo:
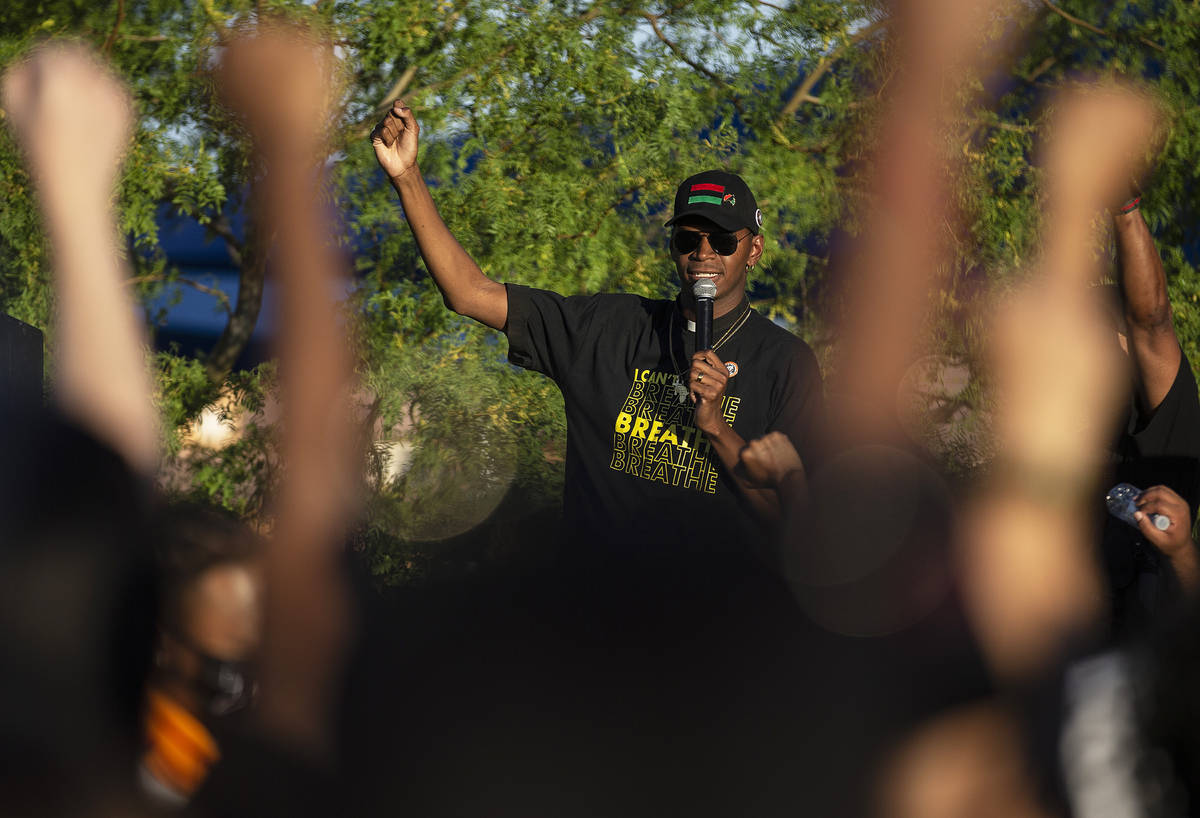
(278, 78)
(68, 111)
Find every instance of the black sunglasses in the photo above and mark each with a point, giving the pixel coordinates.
(686, 241)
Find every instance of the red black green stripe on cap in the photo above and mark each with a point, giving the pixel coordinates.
(706, 193)
(718, 196)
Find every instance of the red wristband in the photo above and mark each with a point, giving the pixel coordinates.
(1132, 205)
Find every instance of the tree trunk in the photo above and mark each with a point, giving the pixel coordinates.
(251, 258)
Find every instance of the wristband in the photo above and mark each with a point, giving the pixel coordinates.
(1133, 204)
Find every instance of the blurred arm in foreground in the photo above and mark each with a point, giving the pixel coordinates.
(1028, 576)
(898, 262)
(278, 79)
(1026, 542)
(1027, 539)
(73, 119)
(76, 610)
(877, 510)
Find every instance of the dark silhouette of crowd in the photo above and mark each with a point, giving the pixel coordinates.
(832, 628)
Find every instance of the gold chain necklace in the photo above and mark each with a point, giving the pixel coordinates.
(681, 391)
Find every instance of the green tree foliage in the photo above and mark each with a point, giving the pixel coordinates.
(553, 135)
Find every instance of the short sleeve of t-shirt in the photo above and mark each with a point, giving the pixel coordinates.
(546, 330)
(801, 407)
(1164, 448)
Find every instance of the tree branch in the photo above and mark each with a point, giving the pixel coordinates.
(112, 35)
(804, 92)
(233, 245)
(1073, 19)
(697, 67)
(819, 147)
(365, 129)
(215, 19)
(397, 89)
(1095, 29)
(1044, 66)
(196, 285)
(435, 86)
(1008, 126)
(406, 78)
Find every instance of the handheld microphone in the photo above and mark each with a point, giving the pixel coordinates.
(704, 291)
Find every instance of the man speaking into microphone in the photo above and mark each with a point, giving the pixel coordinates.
(658, 408)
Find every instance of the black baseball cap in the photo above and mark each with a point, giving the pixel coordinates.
(722, 198)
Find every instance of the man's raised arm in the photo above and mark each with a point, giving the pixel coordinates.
(465, 288)
(100, 368)
(1153, 346)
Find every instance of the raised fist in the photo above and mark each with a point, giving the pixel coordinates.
(70, 114)
(278, 78)
(395, 140)
(1100, 143)
(769, 459)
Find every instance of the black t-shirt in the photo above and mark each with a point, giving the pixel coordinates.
(638, 472)
(1155, 448)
